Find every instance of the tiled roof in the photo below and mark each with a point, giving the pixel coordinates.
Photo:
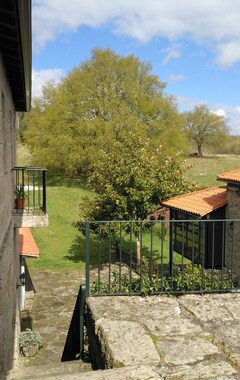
(199, 203)
(27, 244)
(232, 176)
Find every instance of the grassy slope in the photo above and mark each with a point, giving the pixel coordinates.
(60, 244)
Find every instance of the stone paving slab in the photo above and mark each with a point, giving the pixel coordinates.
(212, 308)
(214, 371)
(123, 349)
(193, 336)
(186, 350)
(169, 327)
(48, 311)
(189, 337)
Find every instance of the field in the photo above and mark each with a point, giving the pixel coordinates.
(61, 245)
(205, 169)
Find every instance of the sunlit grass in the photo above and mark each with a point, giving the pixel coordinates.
(205, 169)
(60, 243)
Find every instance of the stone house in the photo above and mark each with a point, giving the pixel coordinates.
(15, 95)
(214, 243)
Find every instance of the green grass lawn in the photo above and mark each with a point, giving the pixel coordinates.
(61, 245)
(205, 169)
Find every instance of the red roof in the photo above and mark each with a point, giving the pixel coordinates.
(232, 176)
(199, 203)
(27, 244)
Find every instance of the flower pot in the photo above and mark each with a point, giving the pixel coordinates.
(30, 350)
(29, 342)
(20, 203)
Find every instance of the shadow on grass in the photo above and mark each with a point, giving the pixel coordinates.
(77, 251)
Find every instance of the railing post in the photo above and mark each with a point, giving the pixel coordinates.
(87, 257)
(82, 300)
(44, 191)
(171, 249)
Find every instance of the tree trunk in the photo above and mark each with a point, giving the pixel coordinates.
(200, 153)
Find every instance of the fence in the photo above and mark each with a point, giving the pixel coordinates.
(30, 188)
(158, 257)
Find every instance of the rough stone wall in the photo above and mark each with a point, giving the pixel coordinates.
(232, 250)
(9, 259)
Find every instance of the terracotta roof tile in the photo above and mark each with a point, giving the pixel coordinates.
(199, 203)
(27, 244)
(232, 176)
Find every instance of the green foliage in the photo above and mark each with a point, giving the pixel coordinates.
(98, 103)
(29, 338)
(24, 157)
(20, 193)
(185, 279)
(204, 127)
(60, 244)
(21, 126)
(130, 180)
(196, 278)
(228, 145)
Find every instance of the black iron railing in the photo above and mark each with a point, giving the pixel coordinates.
(30, 190)
(153, 257)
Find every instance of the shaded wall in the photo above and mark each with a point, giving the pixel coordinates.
(233, 232)
(9, 259)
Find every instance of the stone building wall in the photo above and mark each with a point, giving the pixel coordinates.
(9, 258)
(232, 250)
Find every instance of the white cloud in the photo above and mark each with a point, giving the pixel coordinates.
(228, 54)
(214, 22)
(188, 104)
(231, 114)
(174, 54)
(39, 78)
(176, 77)
(220, 112)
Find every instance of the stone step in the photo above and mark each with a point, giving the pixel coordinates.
(48, 371)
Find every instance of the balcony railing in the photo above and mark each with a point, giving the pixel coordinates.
(158, 257)
(30, 190)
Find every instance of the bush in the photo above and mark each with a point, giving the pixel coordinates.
(185, 279)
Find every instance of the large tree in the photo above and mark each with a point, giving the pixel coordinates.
(98, 103)
(128, 182)
(204, 126)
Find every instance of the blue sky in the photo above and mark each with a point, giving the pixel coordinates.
(193, 46)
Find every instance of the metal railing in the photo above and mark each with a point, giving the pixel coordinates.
(30, 188)
(159, 257)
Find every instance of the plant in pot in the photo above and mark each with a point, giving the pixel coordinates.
(29, 342)
(20, 196)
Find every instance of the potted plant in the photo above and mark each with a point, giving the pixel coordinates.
(20, 196)
(29, 342)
